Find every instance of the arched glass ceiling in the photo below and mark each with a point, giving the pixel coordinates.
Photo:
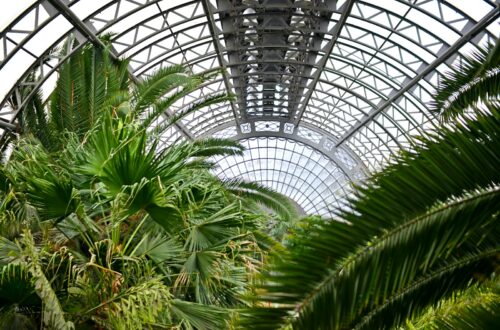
(345, 77)
(307, 176)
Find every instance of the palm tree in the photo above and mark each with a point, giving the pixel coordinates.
(102, 227)
(421, 230)
(91, 83)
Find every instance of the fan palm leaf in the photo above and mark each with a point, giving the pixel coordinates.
(198, 316)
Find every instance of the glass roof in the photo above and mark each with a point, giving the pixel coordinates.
(307, 176)
(349, 80)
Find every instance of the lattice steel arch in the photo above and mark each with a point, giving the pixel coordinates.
(343, 68)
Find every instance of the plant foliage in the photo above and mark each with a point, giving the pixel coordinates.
(415, 233)
(102, 226)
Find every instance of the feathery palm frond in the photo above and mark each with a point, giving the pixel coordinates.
(316, 283)
(34, 119)
(191, 108)
(370, 289)
(262, 195)
(53, 314)
(475, 308)
(156, 86)
(86, 82)
(447, 163)
(476, 80)
(209, 147)
(480, 316)
(138, 305)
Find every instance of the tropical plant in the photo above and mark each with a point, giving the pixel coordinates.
(477, 307)
(421, 230)
(475, 81)
(102, 226)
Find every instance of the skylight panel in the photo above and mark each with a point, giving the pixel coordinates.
(474, 9)
(382, 46)
(291, 168)
(83, 9)
(13, 10)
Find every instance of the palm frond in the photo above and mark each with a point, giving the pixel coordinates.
(161, 82)
(484, 316)
(476, 80)
(53, 315)
(262, 195)
(452, 276)
(46, 185)
(9, 251)
(197, 270)
(348, 284)
(85, 83)
(191, 108)
(310, 284)
(218, 228)
(138, 305)
(209, 147)
(475, 308)
(159, 248)
(450, 161)
(16, 287)
(198, 316)
(34, 119)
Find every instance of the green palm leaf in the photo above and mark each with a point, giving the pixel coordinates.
(316, 281)
(217, 228)
(262, 195)
(159, 84)
(191, 108)
(476, 80)
(53, 314)
(16, 287)
(198, 316)
(475, 308)
(484, 316)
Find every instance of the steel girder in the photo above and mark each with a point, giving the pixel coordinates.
(357, 71)
(471, 33)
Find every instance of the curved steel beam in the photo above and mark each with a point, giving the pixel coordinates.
(488, 19)
(347, 6)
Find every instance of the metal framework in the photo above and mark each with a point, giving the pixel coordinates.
(350, 79)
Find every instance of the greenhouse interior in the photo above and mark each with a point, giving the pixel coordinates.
(250, 164)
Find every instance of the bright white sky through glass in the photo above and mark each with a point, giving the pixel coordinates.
(11, 9)
(382, 46)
